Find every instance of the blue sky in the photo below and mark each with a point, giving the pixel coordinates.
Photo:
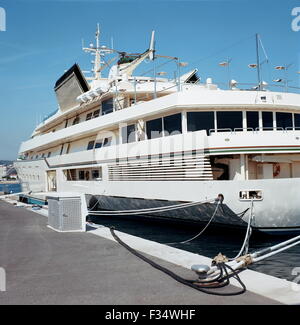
(43, 39)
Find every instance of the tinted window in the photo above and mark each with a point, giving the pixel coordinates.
(98, 144)
(252, 120)
(96, 113)
(154, 128)
(267, 118)
(107, 106)
(297, 120)
(172, 124)
(197, 121)
(87, 175)
(284, 120)
(128, 134)
(90, 145)
(76, 120)
(81, 175)
(230, 120)
(89, 116)
(107, 142)
(95, 173)
(68, 148)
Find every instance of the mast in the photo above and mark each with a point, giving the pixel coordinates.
(97, 63)
(258, 62)
(98, 51)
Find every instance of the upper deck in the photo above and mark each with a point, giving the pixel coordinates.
(123, 103)
(191, 99)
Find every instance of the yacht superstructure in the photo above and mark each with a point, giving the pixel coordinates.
(134, 142)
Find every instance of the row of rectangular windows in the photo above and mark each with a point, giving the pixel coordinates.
(86, 174)
(234, 120)
(107, 107)
(223, 120)
(196, 121)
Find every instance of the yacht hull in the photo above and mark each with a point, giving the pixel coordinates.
(277, 212)
(201, 213)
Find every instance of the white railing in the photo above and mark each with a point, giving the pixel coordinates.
(256, 130)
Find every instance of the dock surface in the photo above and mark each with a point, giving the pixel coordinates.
(47, 267)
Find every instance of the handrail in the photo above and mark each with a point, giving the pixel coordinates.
(244, 129)
(269, 128)
(220, 130)
(258, 129)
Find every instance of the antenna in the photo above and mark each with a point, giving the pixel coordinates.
(97, 36)
(152, 47)
(112, 43)
(265, 53)
(258, 62)
(98, 52)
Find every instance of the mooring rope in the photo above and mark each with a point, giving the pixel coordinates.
(151, 210)
(218, 282)
(245, 247)
(202, 231)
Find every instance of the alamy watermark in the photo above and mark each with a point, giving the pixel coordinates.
(2, 20)
(296, 20)
(2, 279)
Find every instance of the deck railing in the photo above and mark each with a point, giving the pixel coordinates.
(258, 129)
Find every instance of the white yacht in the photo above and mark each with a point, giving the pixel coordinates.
(132, 142)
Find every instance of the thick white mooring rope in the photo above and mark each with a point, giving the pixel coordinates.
(151, 210)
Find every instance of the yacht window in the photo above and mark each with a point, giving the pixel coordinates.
(172, 124)
(87, 175)
(230, 120)
(267, 118)
(252, 120)
(81, 175)
(76, 120)
(95, 173)
(107, 142)
(89, 116)
(297, 120)
(284, 120)
(128, 133)
(49, 154)
(154, 128)
(70, 174)
(99, 144)
(96, 113)
(68, 148)
(107, 106)
(91, 145)
(197, 121)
